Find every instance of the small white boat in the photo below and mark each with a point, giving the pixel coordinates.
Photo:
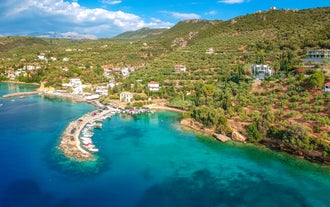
(93, 149)
(87, 142)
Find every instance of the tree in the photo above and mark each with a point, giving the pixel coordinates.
(253, 134)
(317, 79)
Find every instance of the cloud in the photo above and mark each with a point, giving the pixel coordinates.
(231, 1)
(27, 16)
(111, 2)
(213, 12)
(182, 16)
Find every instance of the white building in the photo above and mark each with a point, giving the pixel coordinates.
(30, 67)
(42, 57)
(126, 96)
(125, 72)
(153, 86)
(209, 51)
(92, 97)
(102, 90)
(327, 87)
(180, 68)
(260, 71)
(75, 84)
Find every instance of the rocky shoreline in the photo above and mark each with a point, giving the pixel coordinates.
(277, 145)
(311, 155)
(192, 124)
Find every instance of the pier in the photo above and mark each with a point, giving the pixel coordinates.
(22, 94)
(72, 139)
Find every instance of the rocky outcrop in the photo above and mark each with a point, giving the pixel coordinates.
(221, 138)
(236, 136)
(192, 124)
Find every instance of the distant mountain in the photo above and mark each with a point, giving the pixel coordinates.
(143, 33)
(67, 35)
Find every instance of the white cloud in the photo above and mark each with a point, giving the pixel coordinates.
(182, 16)
(232, 1)
(111, 2)
(63, 16)
(213, 12)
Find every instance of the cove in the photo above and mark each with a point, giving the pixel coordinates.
(145, 160)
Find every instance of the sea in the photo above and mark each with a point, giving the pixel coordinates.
(144, 160)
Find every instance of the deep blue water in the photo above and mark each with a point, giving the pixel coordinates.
(147, 160)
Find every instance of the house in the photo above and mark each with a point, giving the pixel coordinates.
(66, 59)
(30, 67)
(260, 71)
(126, 96)
(180, 68)
(75, 84)
(327, 87)
(92, 97)
(101, 90)
(153, 86)
(317, 56)
(125, 72)
(42, 57)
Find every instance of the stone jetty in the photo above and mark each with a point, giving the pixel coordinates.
(22, 94)
(71, 143)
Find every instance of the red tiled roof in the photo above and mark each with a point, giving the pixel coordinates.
(327, 84)
(153, 82)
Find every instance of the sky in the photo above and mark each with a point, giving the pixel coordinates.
(107, 18)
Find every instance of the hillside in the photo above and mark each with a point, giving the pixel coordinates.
(143, 33)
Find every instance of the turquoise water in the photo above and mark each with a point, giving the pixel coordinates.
(147, 160)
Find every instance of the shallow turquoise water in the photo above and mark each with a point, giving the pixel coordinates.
(147, 160)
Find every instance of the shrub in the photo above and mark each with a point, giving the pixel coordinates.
(253, 134)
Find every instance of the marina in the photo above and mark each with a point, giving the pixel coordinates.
(77, 142)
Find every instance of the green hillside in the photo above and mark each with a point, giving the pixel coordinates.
(143, 33)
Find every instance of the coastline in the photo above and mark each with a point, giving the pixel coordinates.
(18, 82)
(74, 149)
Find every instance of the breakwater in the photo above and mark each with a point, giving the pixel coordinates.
(11, 95)
(76, 141)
